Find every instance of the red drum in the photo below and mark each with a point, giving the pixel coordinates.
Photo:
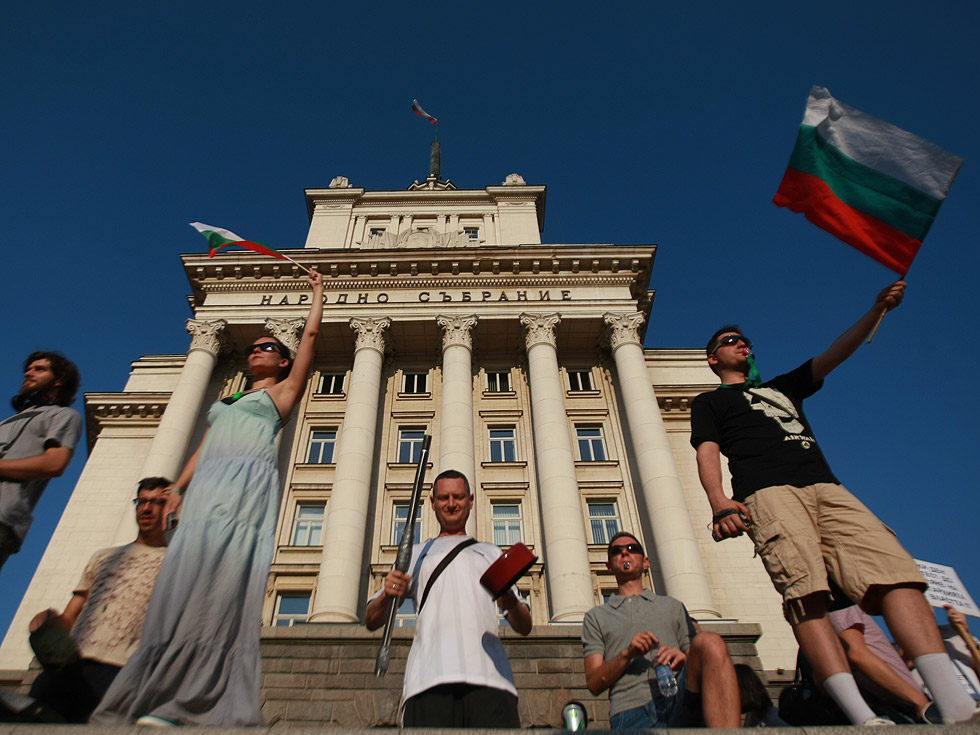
(509, 568)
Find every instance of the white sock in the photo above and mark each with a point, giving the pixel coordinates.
(939, 674)
(844, 690)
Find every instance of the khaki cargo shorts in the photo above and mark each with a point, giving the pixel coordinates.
(805, 534)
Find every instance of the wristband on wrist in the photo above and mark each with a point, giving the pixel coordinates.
(176, 490)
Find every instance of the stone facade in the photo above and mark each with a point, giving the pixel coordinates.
(444, 314)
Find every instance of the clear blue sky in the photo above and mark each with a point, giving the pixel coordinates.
(667, 123)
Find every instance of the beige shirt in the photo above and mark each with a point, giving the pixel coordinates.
(119, 582)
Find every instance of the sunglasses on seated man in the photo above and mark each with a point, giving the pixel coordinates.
(617, 549)
(731, 339)
(264, 346)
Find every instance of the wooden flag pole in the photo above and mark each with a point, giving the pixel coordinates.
(877, 324)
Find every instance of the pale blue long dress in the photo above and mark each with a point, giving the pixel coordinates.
(198, 661)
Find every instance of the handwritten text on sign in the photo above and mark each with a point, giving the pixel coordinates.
(945, 588)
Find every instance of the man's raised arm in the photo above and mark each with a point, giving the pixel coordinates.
(845, 345)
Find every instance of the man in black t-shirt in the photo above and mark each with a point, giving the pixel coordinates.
(806, 526)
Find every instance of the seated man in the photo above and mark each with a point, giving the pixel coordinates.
(628, 637)
(105, 615)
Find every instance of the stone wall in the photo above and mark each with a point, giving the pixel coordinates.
(317, 675)
(320, 675)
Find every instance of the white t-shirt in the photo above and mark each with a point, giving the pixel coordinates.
(456, 635)
(119, 582)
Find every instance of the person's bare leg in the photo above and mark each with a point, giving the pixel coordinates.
(912, 623)
(710, 671)
(823, 649)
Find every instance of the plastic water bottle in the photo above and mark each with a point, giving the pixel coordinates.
(666, 680)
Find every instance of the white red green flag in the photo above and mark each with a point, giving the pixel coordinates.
(417, 109)
(873, 185)
(219, 237)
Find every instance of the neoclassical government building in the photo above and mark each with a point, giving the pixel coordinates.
(445, 314)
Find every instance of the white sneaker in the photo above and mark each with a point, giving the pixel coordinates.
(154, 721)
(876, 721)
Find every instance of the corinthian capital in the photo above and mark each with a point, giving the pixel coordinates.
(286, 331)
(370, 332)
(623, 328)
(539, 329)
(207, 335)
(456, 330)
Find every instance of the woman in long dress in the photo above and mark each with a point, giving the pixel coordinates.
(199, 662)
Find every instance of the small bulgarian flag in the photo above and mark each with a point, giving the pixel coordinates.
(873, 185)
(219, 237)
(417, 109)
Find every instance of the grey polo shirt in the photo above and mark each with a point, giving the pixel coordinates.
(28, 434)
(609, 628)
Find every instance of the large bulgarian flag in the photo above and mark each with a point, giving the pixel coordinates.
(219, 237)
(873, 185)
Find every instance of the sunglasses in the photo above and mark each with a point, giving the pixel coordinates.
(158, 502)
(731, 339)
(617, 549)
(263, 346)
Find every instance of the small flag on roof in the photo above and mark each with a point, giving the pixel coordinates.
(871, 184)
(417, 109)
(219, 237)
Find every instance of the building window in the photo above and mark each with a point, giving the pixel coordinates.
(291, 608)
(322, 445)
(591, 447)
(377, 231)
(580, 381)
(405, 617)
(410, 445)
(308, 525)
(503, 444)
(507, 528)
(471, 234)
(604, 521)
(398, 523)
(499, 382)
(331, 384)
(416, 383)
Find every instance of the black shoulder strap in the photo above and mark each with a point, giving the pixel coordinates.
(440, 568)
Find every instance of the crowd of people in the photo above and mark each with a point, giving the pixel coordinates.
(168, 634)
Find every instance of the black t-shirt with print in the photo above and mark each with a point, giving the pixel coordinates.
(763, 432)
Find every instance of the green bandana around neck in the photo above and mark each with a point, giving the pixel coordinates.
(754, 379)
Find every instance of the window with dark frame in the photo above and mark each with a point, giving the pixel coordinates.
(498, 381)
(410, 445)
(416, 383)
(591, 446)
(503, 444)
(323, 442)
(291, 608)
(580, 381)
(603, 520)
(308, 524)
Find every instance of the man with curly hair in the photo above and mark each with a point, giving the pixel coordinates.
(36, 443)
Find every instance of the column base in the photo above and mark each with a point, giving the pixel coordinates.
(332, 617)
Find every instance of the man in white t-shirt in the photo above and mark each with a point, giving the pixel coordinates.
(106, 612)
(457, 674)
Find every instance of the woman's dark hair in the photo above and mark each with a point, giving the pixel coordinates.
(64, 371)
(282, 350)
(753, 692)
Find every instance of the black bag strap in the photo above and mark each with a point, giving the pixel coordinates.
(440, 568)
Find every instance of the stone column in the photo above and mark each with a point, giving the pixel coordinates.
(286, 331)
(338, 588)
(169, 447)
(673, 534)
(456, 416)
(566, 554)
